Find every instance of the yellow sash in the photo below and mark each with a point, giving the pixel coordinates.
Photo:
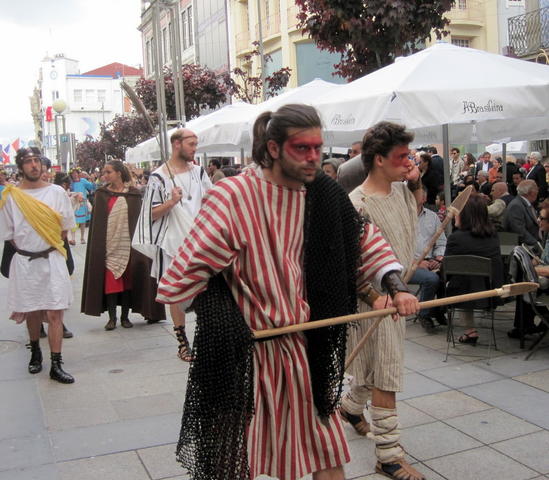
(42, 218)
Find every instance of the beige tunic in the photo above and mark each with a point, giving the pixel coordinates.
(381, 360)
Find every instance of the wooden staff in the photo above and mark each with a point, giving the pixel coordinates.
(455, 208)
(510, 290)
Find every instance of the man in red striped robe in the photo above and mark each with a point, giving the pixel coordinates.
(251, 228)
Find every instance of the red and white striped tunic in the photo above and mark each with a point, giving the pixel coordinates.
(252, 230)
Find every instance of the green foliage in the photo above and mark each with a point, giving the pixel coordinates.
(371, 34)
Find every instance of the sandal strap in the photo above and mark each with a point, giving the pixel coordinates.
(400, 470)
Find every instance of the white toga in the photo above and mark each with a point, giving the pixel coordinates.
(42, 283)
(160, 239)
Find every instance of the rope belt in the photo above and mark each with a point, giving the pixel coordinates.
(34, 255)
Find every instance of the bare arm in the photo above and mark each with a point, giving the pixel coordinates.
(160, 210)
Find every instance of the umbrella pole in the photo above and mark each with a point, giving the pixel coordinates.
(504, 161)
(446, 158)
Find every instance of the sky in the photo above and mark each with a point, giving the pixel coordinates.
(94, 32)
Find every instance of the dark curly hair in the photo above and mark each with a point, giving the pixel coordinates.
(381, 139)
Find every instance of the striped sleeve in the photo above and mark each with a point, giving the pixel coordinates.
(209, 248)
(376, 258)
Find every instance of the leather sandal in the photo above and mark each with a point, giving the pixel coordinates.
(470, 337)
(358, 422)
(184, 348)
(400, 470)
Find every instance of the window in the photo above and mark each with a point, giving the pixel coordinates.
(101, 96)
(164, 45)
(90, 97)
(462, 4)
(190, 29)
(150, 66)
(184, 29)
(77, 96)
(461, 42)
(54, 95)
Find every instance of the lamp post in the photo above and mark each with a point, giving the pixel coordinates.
(59, 106)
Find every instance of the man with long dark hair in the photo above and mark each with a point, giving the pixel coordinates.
(286, 243)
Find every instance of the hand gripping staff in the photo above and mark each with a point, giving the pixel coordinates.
(510, 290)
(454, 209)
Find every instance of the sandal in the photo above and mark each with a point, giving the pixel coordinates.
(470, 337)
(400, 470)
(358, 422)
(183, 349)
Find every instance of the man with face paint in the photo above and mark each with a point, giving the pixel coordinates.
(285, 242)
(35, 217)
(385, 198)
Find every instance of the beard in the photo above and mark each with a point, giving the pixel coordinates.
(184, 157)
(32, 176)
(301, 173)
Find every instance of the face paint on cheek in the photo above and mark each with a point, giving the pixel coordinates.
(304, 148)
(400, 162)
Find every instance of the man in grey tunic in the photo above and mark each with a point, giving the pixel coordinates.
(386, 198)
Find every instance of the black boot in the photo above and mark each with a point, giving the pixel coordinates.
(56, 371)
(111, 307)
(67, 333)
(35, 364)
(126, 302)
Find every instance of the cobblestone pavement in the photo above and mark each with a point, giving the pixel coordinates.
(461, 419)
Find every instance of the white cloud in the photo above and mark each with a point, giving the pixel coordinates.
(95, 33)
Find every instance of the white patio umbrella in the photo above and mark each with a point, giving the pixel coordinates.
(446, 94)
(218, 132)
(512, 147)
(229, 129)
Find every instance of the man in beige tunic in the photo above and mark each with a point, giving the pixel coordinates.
(385, 198)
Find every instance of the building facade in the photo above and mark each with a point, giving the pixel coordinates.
(282, 40)
(91, 99)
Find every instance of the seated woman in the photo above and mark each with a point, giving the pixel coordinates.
(115, 273)
(475, 235)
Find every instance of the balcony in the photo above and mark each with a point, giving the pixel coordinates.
(528, 33)
(466, 13)
(293, 11)
(243, 41)
(270, 26)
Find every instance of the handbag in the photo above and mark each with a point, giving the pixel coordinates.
(9, 252)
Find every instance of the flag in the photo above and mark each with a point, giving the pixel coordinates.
(15, 144)
(5, 154)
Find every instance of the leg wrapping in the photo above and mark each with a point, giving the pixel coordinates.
(386, 434)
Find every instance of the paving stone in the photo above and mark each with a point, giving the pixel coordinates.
(23, 452)
(408, 416)
(115, 437)
(516, 398)
(492, 425)
(80, 416)
(461, 375)
(436, 342)
(42, 472)
(480, 464)
(538, 379)
(435, 440)
(120, 388)
(363, 458)
(531, 450)
(419, 358)
(119, 466)
(20, 409)
(147, 406)
(416, 385)
(160, 461)
(447, 404)
(515, 365)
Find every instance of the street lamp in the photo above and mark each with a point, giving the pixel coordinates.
(59, 106)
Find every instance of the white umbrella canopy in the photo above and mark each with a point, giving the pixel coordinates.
(229, 129)
(512, 147)
(217, 132)
(483, 97)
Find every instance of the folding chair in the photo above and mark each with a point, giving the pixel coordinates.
(522, 269)
(469, 266)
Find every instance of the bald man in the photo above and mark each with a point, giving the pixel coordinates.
(172, 200)
(500, 200)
